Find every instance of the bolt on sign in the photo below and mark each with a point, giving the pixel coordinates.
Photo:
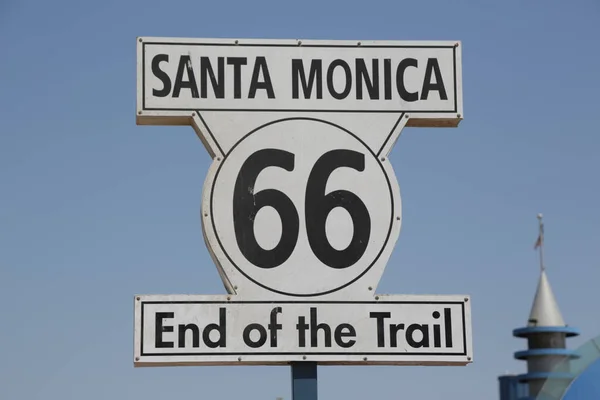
(300, 208)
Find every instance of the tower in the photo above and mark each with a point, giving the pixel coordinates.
(546, 334)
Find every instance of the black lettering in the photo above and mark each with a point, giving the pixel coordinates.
(362, 76)
(159, 328)
(433, 66)
(424, 342)
(387, 78)
(437, 338)
(314, 330)
(318, 205)
(315, 74)
(380, 316)
(394, 334)
(185, 64)
(237, 63)
(218, 84)
(348, 84)
(221, 328)
(339, 335)
(404, 94)
(195, 334)
(261, 65)
(301, 326)
(162, 75)
(247, 203)
(274, 326)
(261, 339)
(448, 326)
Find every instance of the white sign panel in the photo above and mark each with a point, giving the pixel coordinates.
(315, 202)
(301, 208)
(178, 76)
(393, 330)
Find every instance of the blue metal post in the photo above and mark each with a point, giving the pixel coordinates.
(304, 381)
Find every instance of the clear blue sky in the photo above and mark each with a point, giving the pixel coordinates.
(94, 209)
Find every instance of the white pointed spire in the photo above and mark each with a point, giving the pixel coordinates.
(544, 311)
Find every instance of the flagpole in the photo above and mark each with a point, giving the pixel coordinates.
(541, 242)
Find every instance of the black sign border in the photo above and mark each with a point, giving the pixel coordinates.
(307, 353)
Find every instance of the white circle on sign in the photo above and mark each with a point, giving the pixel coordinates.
(333, 199)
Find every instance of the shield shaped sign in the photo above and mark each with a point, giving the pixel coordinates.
(301, 208)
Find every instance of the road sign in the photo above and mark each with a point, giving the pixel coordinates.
(301, 208)
(393, 330)
(179, 76)
(299, 198)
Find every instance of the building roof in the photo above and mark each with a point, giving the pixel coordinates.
(545, 311)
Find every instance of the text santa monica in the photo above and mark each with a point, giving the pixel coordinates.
(382, 79)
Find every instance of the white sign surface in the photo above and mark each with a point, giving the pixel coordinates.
(178, 76)
(393, 330)
(316, 202)
(301, 208)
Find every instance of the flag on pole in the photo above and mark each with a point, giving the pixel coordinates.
(538, 242)
(540, 238)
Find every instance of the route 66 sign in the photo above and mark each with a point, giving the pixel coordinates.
(300, 205)
(311, 214)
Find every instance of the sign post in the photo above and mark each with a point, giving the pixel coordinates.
(301, 208)
(304, 381)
